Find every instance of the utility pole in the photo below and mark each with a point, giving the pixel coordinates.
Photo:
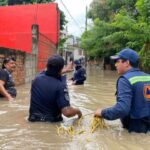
(86, 19)
(85, 34)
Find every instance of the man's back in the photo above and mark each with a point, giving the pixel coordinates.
(47, 96)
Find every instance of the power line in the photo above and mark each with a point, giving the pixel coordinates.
(70, 15)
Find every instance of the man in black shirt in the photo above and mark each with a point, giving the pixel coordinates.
(7, 88)
(49, 94)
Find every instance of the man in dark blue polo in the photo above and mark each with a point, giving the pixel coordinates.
(49, 94)
(133, 94)
(79, 75)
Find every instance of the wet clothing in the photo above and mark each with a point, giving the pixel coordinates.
(79, 75)
(9, 85)
(133, 101)
(48, 96)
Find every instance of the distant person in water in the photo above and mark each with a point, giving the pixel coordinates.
(79, 75)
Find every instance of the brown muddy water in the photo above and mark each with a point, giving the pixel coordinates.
(16, 133)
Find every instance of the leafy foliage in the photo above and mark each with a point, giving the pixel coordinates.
(63, 20)
(3, 2)
(126, 23)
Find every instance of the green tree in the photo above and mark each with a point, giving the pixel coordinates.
(106, 9)
(116, 5)
(127, 26)
(94, 42)
(99, 9)
(63, 20)
(143, 7)
(3, 2)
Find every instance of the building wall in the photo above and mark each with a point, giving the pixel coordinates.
(19, 74)
(30, 67)
(16, 32)
(46, 48)
(30, 48)
(78, 53)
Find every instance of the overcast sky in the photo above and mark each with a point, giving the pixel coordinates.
(77, 9)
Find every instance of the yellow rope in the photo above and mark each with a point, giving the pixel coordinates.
(79, 121)
(68, 130)
(96, 123)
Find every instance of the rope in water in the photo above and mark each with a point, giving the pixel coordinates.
(97, 122)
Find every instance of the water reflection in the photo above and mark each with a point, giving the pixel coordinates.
(17, 133)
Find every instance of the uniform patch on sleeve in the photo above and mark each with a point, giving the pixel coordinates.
(147, 91)
(66, 94)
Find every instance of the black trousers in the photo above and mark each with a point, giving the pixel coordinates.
(37, 117)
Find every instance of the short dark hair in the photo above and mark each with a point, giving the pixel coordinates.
(134, 65)
(54, 65)
(7, 60)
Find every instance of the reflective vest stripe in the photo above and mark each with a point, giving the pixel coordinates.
(136, 79)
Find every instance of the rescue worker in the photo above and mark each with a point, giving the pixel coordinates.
(79, 75)
(133, 94)
(7, 85)
(49, 94)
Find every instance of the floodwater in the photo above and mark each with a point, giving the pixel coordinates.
(16, 133)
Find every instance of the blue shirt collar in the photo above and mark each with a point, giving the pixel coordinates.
(133, 69)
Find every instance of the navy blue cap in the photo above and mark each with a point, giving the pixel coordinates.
(127, 54)
(55, 61)
(77, 62)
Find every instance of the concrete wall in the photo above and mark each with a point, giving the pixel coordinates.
(46, 48)
(19, 74)
(30, 67)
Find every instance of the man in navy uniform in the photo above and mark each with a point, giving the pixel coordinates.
(49, 94)
(133, 94)
(79, 75)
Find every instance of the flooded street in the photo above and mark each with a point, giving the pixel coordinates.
(16, 133)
